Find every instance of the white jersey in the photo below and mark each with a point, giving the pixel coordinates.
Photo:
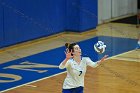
(76, 72)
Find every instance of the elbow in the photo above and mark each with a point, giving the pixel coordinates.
(96, 65)
(61, 67)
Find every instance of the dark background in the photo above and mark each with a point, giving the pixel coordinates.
(138, 4)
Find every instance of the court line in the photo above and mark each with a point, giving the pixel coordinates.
(31, 86)
(127, 59)
(31, 42)
(122, 54)
(56, 74)
(26, 84)
(25, 44)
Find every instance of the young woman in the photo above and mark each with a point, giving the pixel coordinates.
(76, 68)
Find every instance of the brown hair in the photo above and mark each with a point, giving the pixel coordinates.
(70, 47)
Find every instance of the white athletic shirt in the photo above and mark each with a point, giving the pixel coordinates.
(76, 72)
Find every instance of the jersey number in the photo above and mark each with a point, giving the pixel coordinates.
(80, 73)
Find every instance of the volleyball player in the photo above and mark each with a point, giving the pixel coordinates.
(76, 68)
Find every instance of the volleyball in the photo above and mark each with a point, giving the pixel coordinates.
(100, 47)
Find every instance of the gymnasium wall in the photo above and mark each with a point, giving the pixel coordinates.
(24, 20)
(88, 14)
(1, 26)
(109, 9)
(29, 19)
(81, 15)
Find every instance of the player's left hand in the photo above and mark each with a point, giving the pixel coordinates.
(102, 60)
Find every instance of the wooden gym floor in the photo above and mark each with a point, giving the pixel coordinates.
(118, 74)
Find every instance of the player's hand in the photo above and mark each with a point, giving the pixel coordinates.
(104, 57)
(102, 60)
(68, 54)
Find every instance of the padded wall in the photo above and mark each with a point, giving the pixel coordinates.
(1, 26)
(81, 15)
(24, 20)
(88, 14)
(30, 19)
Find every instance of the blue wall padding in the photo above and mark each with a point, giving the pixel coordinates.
(29, 19)
(1, 26)
(36, 19)
(81, 15)
(73, 15)
(88, 14)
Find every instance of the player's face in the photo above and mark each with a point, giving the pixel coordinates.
(77, 50)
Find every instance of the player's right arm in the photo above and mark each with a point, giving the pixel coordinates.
(65, 63)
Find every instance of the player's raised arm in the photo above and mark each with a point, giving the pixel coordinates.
(64, 63)
(95, 64)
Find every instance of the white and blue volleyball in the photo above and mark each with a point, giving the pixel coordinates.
(100, 47)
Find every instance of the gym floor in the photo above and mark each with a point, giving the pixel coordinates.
(118, 74)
